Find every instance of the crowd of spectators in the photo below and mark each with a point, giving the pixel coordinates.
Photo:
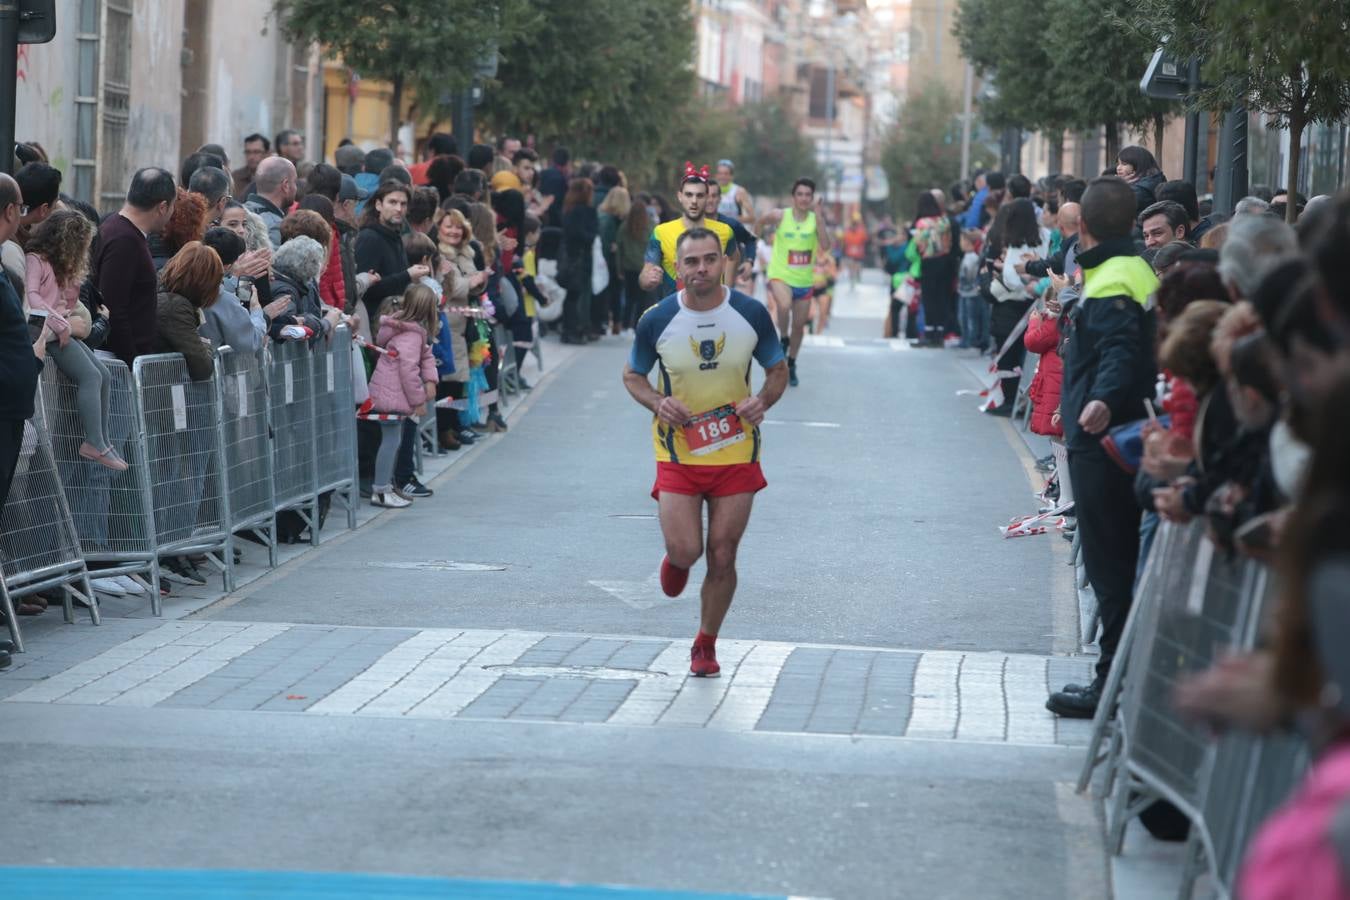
(285, 248)
(1189, 366)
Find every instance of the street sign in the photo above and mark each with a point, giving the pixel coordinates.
(37, 21)
(1165, 77)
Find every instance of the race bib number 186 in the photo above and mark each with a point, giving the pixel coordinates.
(711, 431)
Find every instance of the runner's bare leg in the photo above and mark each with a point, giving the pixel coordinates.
(781, 307)
(682, 527)
(801, 314)
(727, 518)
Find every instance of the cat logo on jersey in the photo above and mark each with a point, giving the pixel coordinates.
(708, 351)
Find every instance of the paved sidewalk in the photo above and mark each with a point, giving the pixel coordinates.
(478, 674)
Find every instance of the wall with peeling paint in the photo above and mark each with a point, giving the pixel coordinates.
(246, 67)
(45, 108)
(156, 85)
(242, 68)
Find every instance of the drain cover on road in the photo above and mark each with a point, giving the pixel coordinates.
(441, 565)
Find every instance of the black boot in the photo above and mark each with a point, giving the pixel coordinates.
(1075, 704)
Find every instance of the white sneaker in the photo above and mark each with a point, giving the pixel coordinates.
(129, 584)
(108, 586)
(389, 500)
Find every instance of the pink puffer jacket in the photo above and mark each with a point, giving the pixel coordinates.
(399, 384)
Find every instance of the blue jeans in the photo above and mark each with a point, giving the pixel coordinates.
(974, 319)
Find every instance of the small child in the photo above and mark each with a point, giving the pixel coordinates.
(403, 382)
(56, 263)
(970, 305)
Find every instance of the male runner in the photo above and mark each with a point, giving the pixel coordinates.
(659, 267)
(706, 423)
(801, 234)
(744, 243)
(735, 200)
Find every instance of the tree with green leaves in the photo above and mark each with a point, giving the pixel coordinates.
(770, 150)
(428, 46)
(1098, 67)
(611, 78)
(1059, 64)
(922, 149)
(1285, 58)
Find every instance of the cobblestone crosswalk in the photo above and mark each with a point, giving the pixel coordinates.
(449, 673)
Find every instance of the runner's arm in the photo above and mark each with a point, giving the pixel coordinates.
(641, 361)
(651, 273)
(752, 409)
(772, 217)
(823, 239)
(744, 203)
(669, 410)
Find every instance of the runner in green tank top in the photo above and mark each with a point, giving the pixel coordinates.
(801, 234)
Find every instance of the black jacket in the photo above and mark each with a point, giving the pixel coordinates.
(1144, 189)
(19, 368)
(580, 227)
(347, 247)
(305, 309)
(1109, 353)
(1039, 268)
(380, 249)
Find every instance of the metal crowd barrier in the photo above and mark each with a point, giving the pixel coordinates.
(38, 546)
(247, 444)
(290, 404)
(181, 440)
(1191, 606)
(334, 428)
(111, 513)
(206, 460)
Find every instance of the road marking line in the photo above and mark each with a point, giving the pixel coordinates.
(84, 674)
(197, 666)
(382, 674)
(935, 710)
(751, 687)
(474, 678)
(647, 702)
(1024, 687)
(802, 424)
(701, 697)
(983, 713)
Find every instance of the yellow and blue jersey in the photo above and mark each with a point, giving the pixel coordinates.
(661, 248)
(704, 360)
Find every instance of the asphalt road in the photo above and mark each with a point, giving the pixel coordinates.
(879, 526)
(878, 531)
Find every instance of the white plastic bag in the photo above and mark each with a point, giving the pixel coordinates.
(599, 271)
(360, 388)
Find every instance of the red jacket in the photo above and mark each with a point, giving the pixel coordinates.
(1042, 337)
(332, 286)
(1182, 405)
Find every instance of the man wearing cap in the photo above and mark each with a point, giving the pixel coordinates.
(735, 202)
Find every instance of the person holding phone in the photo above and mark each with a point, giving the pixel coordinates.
(21, 354)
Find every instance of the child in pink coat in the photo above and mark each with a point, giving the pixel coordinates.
(403, 381)
(54, 267)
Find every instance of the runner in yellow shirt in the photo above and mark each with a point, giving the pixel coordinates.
(659, 269)
(705, 423)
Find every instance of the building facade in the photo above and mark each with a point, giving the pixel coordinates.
(132, 83)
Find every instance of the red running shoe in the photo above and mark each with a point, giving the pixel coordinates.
(703, 660)
(673, 578)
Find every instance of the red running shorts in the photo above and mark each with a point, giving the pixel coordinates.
(708, 481)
